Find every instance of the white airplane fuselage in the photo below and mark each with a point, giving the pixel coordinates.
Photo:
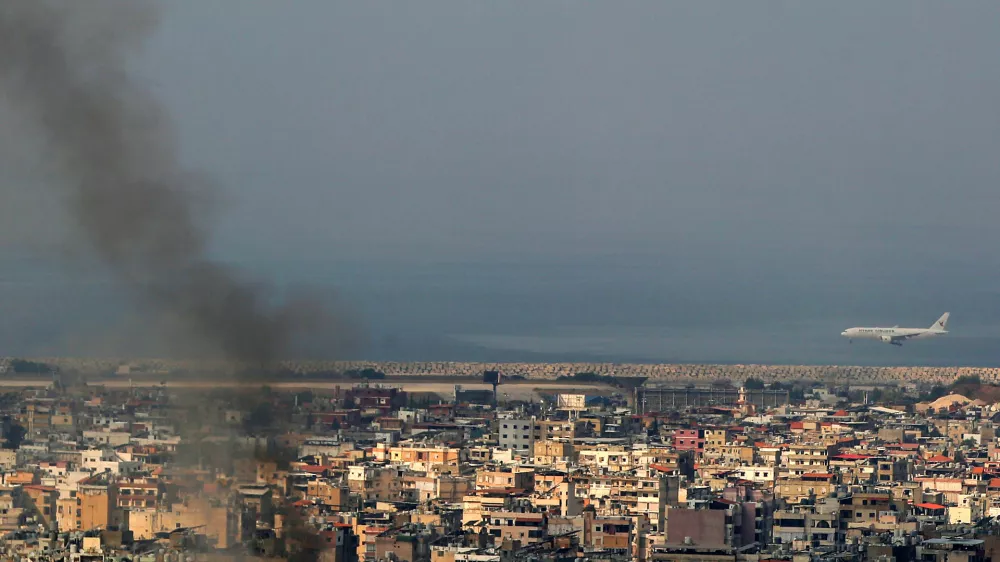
(897, 335)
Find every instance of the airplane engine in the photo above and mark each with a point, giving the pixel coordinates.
(886, 339)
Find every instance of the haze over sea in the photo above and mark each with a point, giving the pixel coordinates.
(602, 310)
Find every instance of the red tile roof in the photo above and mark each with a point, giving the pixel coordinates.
(852, 457)
(938, 458)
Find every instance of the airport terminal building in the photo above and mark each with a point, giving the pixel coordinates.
(669, 398)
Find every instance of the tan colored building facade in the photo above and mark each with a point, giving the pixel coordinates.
(220, 524)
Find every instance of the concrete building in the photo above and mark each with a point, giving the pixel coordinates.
(528, 528)
(671, 398)
(518, 434)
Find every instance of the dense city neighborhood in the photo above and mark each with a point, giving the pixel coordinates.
(368, 472)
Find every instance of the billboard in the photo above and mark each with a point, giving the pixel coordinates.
(572, 402)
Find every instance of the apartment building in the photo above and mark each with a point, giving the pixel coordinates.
(689, 440)
(528, 528)
(518, 434)
(425, 458)
(630, 495)
(807, 486)
(505, 477)
(548, 452)
(803, 458)
(816, 525)
(376, 483)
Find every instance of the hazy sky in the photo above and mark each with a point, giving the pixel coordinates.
(757, 151)
(842, 132)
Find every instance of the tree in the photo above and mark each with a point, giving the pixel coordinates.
(876, 396)
(937, 392)
(23, 366)
(753, 384)
(366, 373)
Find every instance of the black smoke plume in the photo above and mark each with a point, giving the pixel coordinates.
(64, 65)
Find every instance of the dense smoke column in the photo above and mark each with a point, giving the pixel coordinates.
(64, 67)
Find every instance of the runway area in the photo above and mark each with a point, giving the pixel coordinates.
(519, 390)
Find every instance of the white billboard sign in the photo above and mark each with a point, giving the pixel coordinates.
(572, 402)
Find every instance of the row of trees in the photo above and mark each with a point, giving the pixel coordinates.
(25, 367)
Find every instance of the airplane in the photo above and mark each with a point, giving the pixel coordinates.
(897, 335)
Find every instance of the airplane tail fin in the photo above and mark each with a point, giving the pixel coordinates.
(942, 323)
